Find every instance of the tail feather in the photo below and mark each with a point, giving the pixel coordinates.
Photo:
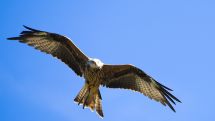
(90, 102)
(80, 96)
(90, 99)
(99, 104)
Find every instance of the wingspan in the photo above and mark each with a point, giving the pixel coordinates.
(130, 77)
(57, 45)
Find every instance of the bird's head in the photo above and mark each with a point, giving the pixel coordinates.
(95, 63)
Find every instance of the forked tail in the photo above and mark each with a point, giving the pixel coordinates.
(90, 98)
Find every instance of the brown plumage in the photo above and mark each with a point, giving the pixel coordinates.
(130, 77)
(95, 72)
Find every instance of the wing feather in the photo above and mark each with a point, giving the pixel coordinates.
(130, 77)
(57, 45)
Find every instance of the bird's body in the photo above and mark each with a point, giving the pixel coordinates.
(95, 72)
(93, 76)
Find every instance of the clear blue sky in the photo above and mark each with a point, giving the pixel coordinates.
(171, 40)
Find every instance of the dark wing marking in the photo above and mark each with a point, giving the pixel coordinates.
(57, 45)
(130, 77)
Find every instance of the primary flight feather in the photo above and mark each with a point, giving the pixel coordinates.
(95, 72)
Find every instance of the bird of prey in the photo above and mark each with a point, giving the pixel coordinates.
(95, 72)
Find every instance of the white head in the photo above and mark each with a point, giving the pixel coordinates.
(94, 63)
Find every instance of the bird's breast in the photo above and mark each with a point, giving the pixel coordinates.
(93, 77)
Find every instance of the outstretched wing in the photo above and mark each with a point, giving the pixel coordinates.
(57, 45)
(130, 77)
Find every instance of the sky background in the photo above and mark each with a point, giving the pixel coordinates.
(171, 40)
